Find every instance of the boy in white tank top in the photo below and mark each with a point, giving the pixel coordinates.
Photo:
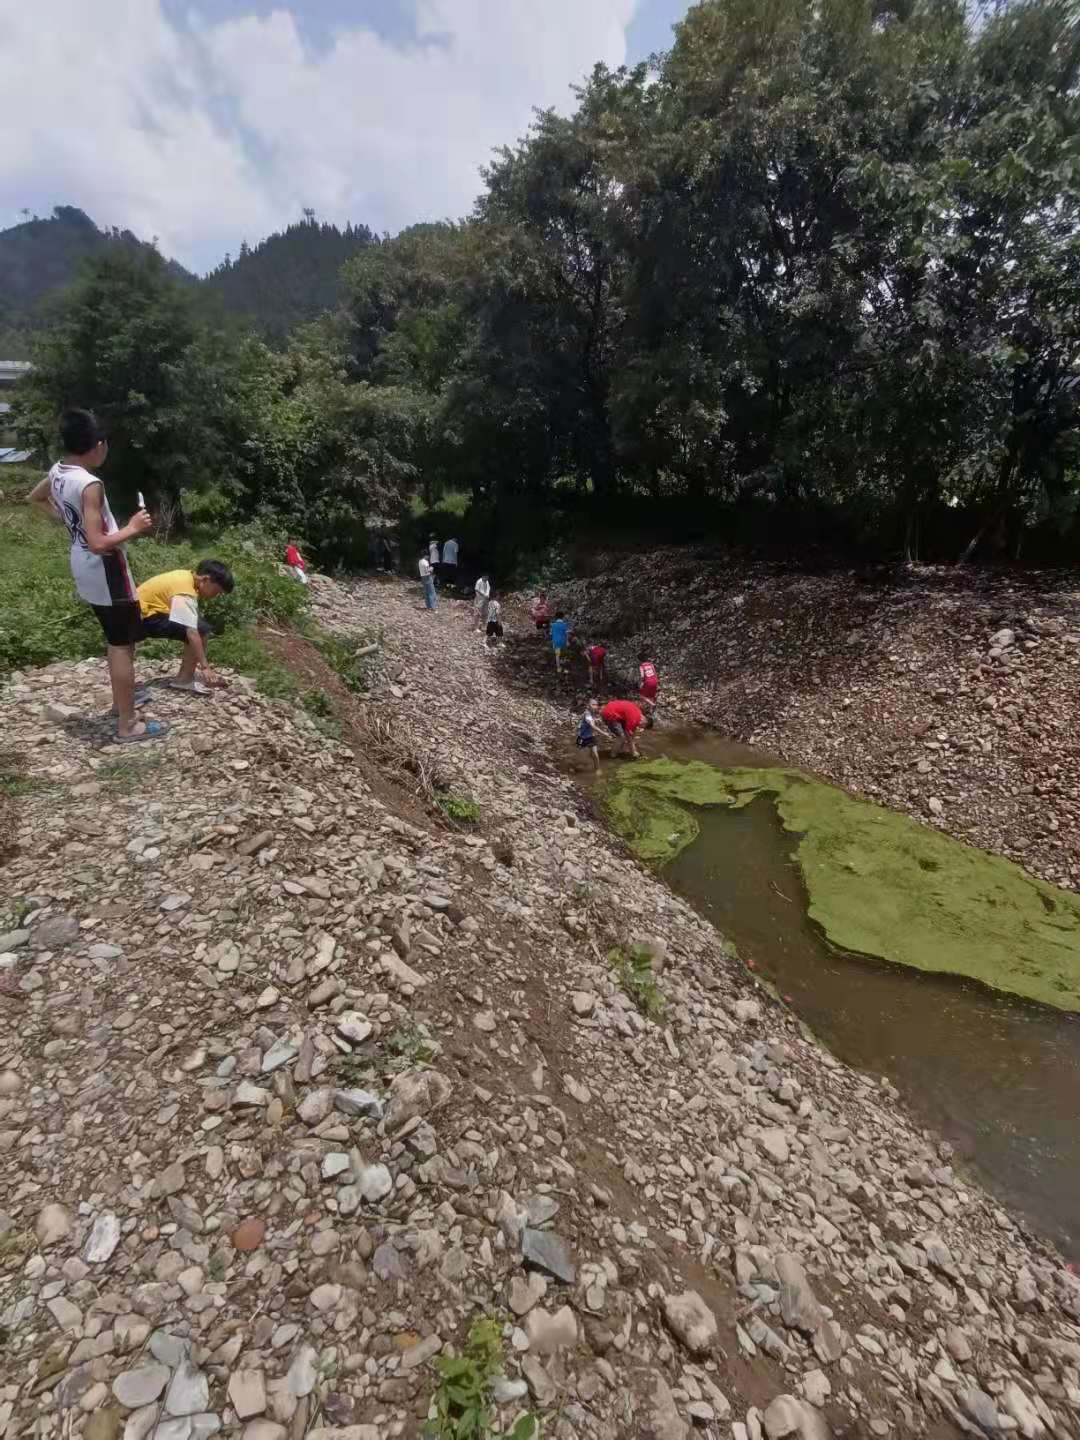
(73, 494)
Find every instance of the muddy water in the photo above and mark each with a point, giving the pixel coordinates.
(1000, 1078)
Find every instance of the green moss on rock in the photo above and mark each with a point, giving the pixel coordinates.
(878, 882)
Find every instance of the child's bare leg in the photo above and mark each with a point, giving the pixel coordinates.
(121, 662)
(188, 661)
(594, 753)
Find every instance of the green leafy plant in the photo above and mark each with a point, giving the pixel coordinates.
(320, 707)
(633, 968)
(345, 654)
(462, 1400)
(457, 807)
(406, 1049)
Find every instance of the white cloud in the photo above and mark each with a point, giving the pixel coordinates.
(226, 131)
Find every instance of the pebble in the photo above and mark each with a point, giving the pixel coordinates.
(691, 1321)
(140, 1386)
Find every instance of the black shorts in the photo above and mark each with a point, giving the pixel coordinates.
(586, 742)
(121, 622)
(160, 627)
(494, 628)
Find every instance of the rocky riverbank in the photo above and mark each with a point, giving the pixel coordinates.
(951, 694)
(299, 1079)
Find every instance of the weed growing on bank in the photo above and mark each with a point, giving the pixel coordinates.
(462, 1401)
(634, 972)
(457, 807)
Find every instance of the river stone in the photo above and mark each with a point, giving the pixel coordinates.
(664, 1421)
(247, 1393)
(548, 1333)
(788, 1416)
(52, 1224)
(775, 1143)
(416, 1092)
(545, 1250)
(55, 933)
(690, 1320)
(358, 1102)
(188, 1392)
(103, 1240)
(374, 1183)
(303, 1372)
(135, 1388)
(798, 1306)
(13, 940)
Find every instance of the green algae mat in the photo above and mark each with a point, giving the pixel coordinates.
(878, 882)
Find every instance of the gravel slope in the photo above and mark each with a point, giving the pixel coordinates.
(296, 1081)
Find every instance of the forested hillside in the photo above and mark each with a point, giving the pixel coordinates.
(38, 258)
(815, 273)
(289, 277)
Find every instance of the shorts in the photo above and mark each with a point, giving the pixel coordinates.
(649, 693)
(587, 743)
(160, 627)
(494, 628)
(542, 624)
(122, 622)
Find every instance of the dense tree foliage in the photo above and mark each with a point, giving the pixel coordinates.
(820, 261)
(288, 278)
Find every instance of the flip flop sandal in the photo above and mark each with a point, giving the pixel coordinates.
(155, 730)
(142, 697)
(195, 688)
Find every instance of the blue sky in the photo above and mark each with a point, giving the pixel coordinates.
(208, 122)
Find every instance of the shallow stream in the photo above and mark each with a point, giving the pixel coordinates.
(998, 1076)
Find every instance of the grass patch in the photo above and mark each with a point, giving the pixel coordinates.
(44, 620)
(633, 969)
(14, 786)
(462, 1401)
(457, 807)
(343, 654)
(128, 774)
(320, 707)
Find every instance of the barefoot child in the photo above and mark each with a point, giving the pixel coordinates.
(623, 719)
(560, 630)
(169, 604)
(587, 737)
(650, 685)
(72, 494)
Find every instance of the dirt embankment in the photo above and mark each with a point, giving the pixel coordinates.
(950, 694)
(298, 1081)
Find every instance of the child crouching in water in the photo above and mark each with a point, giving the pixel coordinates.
(587, 738)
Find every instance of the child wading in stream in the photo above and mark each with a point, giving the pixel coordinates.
(587, 737)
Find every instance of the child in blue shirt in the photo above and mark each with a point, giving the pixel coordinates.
(560, 629)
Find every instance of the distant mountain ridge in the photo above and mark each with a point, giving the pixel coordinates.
(288, 278)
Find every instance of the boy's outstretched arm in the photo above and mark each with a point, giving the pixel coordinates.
(195, 640)
(41, 499)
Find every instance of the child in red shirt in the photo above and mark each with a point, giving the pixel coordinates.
(623, 718)
(649, 687)
(595, 655)
(541, 611)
